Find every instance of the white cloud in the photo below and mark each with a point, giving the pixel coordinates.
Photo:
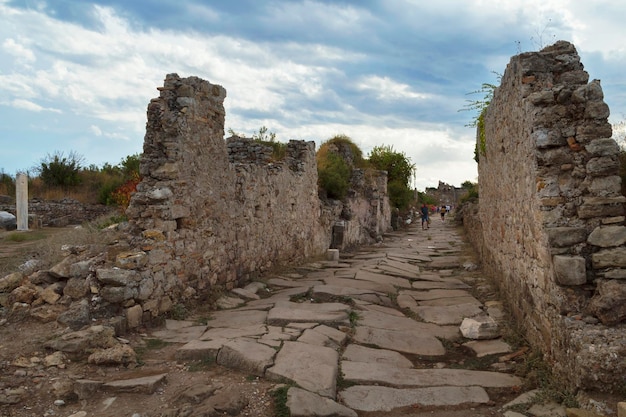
(95, 130)
(387, 89)
(22, 54)
(30, 106)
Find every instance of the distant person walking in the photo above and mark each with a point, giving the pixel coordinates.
(425, 219)
(443, 213)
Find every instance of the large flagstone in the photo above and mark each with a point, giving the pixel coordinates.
(358, 353)
(285, 312)
(447, 315)
(237, 319)
(383, 288)
(382, 279)
(380, 320)
(373, 398)
(313, 368)
(383, 374)
(406, 341)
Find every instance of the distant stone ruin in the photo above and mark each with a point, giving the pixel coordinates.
(211, 213)
(550, 222)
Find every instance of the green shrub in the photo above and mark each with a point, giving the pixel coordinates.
(334, 176)
(400, 195)
(60, 170)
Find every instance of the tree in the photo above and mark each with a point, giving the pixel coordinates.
(60, 170)
(397, 164)
(399, 169)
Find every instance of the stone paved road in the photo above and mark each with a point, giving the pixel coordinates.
(380, 330)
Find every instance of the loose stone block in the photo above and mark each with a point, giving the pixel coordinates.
(481, 327)
(332, 255)
(570, 270)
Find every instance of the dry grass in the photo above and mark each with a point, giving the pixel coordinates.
(45, 245)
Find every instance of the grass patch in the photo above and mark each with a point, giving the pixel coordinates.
(279, 395)
(537, 373)
(179, 312)
(354, 318)
(156, 343)
(201, 365)
(18, 237)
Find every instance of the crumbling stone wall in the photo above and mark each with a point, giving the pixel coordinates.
(210, 213)
(550, 224)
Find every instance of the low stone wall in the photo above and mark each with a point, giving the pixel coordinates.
(61, 213)
(550, 224)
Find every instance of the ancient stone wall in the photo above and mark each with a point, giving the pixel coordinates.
(211, 213)
(550, 224)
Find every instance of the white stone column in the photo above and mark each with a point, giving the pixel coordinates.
(21, 201)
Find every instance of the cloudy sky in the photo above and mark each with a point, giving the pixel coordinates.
(77, 75)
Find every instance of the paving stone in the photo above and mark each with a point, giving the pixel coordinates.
(448, 314)
(444, 302)
(282, 282)
(280, 333)
(313, 368)
(446, 262)
(143, 385)
(335, 335)
(365, 306)
(524, 398)
(406, 341)
(435, 294)
(379, 320)
(325, 313)
(233, 333)
(488, 347)
(182, 335)
(178, 324)
(382, 279)
(226, 302)
(382, 374)
(340, 291)
(302, 403)
(245, 294)
(403, 256)
(382, 288)
(448, 283)
(237, 319)
(404, 300)
(547, 410)
(358, 353)
(246, 355)
(198, 350)
(391, 270)
(375, 398)
(400, 264)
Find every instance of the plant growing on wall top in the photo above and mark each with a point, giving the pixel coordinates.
(336, 159)
(480, 107)
(267, 138)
